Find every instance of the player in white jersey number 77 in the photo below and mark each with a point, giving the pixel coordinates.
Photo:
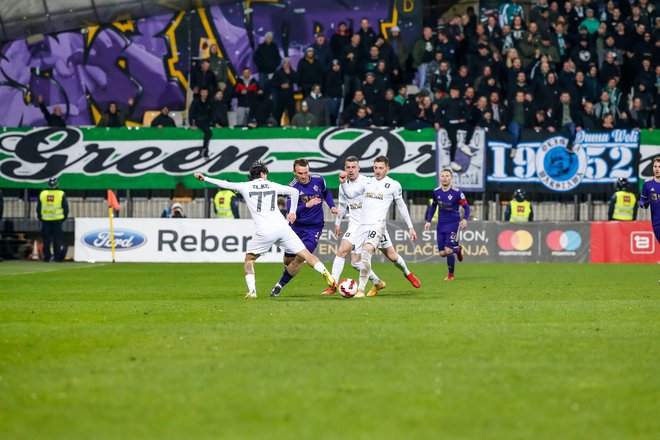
(378, 194)
(261, 198)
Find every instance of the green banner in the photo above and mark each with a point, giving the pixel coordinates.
(153, 158)
(649, 149)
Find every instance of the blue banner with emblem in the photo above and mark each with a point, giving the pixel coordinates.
(541, 162)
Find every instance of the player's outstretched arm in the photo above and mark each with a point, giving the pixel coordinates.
(218, 182)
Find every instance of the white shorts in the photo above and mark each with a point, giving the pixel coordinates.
(287, 240)
(357, 235)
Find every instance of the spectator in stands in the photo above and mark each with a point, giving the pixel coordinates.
(203, 77)
(113, 116)
(351, 65)
(200, 116)
(367, 35)
(381, 76)
(509, 10)
(54, 119)
(245, 91)
(284, 81)
(371, 61)
(309, 71)
(334, 91)
(520, 118)
(163, 119)
(373, 94)
(442, 77)
(567, 117)
(350, 111)
(318, 106)
(499, 111)
(262, 108)
(401, 52)
(542, 123)
(323, 53)
(390, 114)
(588, 119)
(267, 59)
(640, 117)
(402, 95)
(422, 54)
(303, 118)
(605, 107)
(52, 211)
(452, 115)
(340, 40)
(463, 80)
(219, 111)
(361, 119)
(219, 66)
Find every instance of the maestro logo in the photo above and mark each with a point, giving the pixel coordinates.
(559, 241)
(559, 169)
(125, 239)
(510, 240)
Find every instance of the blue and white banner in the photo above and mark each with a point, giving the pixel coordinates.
(541, 161)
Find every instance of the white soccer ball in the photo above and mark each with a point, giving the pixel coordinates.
(348, 288)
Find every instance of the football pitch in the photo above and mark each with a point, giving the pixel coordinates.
(173, 351)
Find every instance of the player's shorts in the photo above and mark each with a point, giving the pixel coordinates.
(447, 236)
(309, 234)
(356, 236)
(287, 240)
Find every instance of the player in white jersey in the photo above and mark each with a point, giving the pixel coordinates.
(348, 242)
(261, 198)
(378, 194)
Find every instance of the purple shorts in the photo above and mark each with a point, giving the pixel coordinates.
(309, 234)
(447, 236)
(656, 231)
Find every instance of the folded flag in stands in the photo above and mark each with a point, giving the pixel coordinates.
(112, 200)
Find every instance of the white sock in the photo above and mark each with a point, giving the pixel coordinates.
(374, 278)
(365, 270)
(337, 267)
(402, 265)
(251, 282)
(320, 268)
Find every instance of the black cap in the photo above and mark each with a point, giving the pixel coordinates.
(52, 182)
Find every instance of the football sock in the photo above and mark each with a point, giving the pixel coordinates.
(286, 277)
(320, 268)
(372, 276)
(451, 261)
(365, 270)
(401, 265)
(337, 267)
(251, 282)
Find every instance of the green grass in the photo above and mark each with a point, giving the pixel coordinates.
(172, 351)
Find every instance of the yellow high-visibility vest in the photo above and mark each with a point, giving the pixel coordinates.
(51, 205)
(520, 211)
(222, 202)
(435, 215)
(624, 207)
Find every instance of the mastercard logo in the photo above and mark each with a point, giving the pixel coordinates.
(515, 240)
(563, 240)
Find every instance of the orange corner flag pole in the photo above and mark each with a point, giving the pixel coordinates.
(113, 204)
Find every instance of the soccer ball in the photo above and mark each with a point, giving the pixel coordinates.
(348, 288)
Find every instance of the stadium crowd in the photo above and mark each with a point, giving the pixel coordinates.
(563, 67)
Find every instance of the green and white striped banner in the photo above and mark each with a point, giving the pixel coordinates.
(152, 158)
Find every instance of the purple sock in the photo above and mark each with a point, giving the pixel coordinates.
(451, 261)
(286, 277)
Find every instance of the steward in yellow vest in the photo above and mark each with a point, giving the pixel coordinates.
(52, 210)
(519, 209)
(623, 204)
(225, 204)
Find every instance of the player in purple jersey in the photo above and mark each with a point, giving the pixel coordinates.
(309, 223)
(651, 197)
(448, 201)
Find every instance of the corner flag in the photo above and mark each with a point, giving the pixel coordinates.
(113, 203)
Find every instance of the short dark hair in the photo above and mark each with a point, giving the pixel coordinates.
(657, 159)
(355, 159)
(300, 163)
(447, 170)
(256, 169)
(383, 159)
